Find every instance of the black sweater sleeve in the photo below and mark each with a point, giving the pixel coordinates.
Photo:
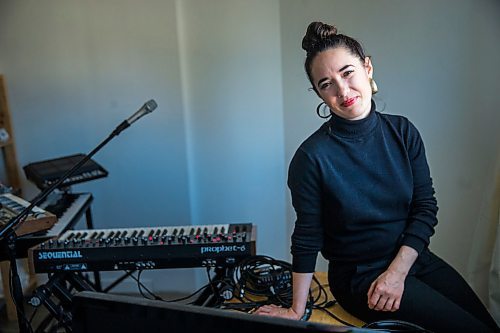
(423, 209)
(305, 186)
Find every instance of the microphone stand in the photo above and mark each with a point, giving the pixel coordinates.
(8, 233)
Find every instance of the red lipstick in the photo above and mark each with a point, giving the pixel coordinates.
(349, 102)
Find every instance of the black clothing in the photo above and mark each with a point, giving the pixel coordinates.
(435, 296)
(360, 189)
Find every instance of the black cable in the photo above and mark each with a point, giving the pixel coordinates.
(331, 314)
(266, 277)
(210, 282)
(141, 286)
(11, 289)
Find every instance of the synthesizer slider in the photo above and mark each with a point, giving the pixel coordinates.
(145, 248)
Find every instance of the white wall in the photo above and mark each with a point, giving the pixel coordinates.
(232, 72)
(233, 103)
(232, 90)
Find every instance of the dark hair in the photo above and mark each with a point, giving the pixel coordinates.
(320, 37)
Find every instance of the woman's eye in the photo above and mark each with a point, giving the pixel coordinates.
(325, 85)
(347, 73)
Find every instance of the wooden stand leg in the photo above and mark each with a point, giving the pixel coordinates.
(9, 304)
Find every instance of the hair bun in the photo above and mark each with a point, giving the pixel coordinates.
(316, 33)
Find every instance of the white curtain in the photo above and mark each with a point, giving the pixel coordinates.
(484, 260)
(494, 285)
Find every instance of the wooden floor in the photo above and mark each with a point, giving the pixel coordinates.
(7, 326)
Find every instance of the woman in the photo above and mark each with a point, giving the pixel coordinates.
(363, 195)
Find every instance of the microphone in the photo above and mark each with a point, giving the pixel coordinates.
(148, 107)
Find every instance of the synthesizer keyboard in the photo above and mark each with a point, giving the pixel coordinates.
(145, 248)
(37, 220)
(44, 173)
(69, 209)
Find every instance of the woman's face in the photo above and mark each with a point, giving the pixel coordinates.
(342, 81)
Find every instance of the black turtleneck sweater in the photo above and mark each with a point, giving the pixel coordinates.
(360, 189)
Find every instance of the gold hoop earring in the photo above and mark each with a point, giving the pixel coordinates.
(374, 87)
(321, 111)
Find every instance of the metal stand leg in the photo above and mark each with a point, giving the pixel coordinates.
(56, 295)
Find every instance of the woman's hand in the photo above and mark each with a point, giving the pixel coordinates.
(386, 291)
(277, 311)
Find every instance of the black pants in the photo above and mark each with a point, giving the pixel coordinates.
(435, 296)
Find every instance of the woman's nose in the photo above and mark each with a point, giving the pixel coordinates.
(343, 89)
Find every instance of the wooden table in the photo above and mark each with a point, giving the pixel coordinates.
(320, 316)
